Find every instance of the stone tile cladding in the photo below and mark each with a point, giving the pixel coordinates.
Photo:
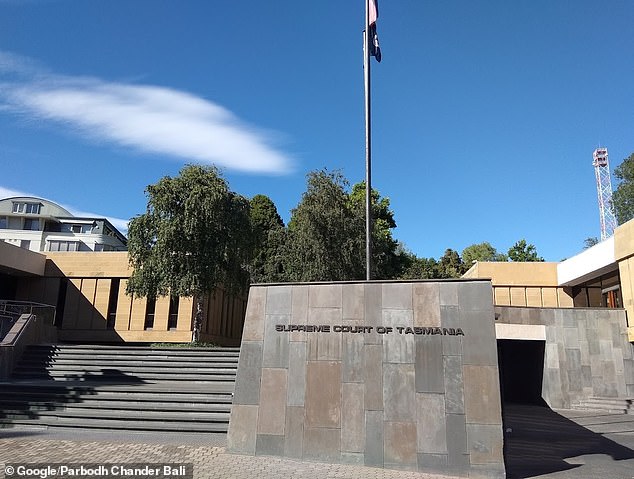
(426, 402)
(587, 352)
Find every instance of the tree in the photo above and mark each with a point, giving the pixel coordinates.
(419, 268)
(193, 237)
(590, 242)
(387, 260)
(450, 265)
(623, 196)
(481, 252)
(325, 233)
(269, 236)
(521, 251)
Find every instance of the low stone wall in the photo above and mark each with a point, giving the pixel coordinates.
(395, 375)
(587, 353)
(28, 329)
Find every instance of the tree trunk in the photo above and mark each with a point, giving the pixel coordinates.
(198, 319)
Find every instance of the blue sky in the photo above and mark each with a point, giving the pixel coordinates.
(485, 114)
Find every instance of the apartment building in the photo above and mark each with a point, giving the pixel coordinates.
(40, 225)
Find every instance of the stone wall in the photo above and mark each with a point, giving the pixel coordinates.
(415, 387)
(587, 353)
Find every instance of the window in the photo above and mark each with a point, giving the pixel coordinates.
(79, 229)
(55, 245)
(28, 208)
(172, 320)
(4, 223)
(611, 297)
(25, 244)
(150, 308)
(112, 302)
(52, 226)
(32, 224)
(33, 208)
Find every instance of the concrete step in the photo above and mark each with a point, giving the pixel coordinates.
(159, 358)
(120, 376)
(607, 401)
(113, 404)
(145, 415)
(158, 361)
(175, 390)
(180, 368)
(132, 350)
(142, 399)
(128, 425)
(121, 387)
(606, 404)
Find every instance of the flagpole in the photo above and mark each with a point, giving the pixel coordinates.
(368, 145)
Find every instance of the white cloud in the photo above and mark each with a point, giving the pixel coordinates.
(148, 118)
(9, 193)
(10, 63)
(119, 223)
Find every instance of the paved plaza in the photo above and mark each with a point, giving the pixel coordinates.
(539, 443)
(209, 458)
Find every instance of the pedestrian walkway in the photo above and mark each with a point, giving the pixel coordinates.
(209, 460)
(539, 442)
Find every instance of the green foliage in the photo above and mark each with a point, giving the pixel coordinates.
(521, 251)
(325, 233)
(194, 236)
(590, 242)
(264, 215)
(269, 237)
(623, 196)
(387, 260)
(418, 268)
(481, 252)
(450, 265)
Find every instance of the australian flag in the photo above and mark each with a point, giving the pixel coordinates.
(373, 14)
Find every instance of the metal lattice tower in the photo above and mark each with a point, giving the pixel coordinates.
(604, 192)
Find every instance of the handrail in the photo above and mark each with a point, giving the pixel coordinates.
(15, 301)
(6, 323)
(11, 310)
(27, 318)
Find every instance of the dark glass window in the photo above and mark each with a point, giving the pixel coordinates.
(29, 208)
(112, 303)
(172, 320)
(150, 308)
(31, 224)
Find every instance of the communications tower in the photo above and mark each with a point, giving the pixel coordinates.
(604, 192)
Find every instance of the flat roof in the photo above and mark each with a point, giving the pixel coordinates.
(589, 264)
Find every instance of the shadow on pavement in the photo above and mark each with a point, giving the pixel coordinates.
(17, 433)
(538, 441)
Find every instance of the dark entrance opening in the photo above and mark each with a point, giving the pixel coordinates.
(521, 366)
(8, 287)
